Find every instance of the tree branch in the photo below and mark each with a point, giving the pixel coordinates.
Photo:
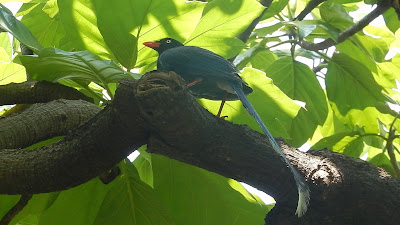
(381, 8)
(44, 120)
(178, 127)
(23, 201)
(35, 92)
(309, 7)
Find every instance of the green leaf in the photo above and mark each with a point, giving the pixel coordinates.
(12, 72)
(10, 24)
(304, 27)
(348, 143)
(80, 204)
(391, 20)
(80, 24)
(263, 59)
(353, 92)
(158, 19)
(53, 64)
(245, 57)
(334, 14)
(299, 82)
(356, 51)
(5, 48)
(222, 20)
(264, 31)
(131, 202)
(115, 22)
(194, 194)
(50, 31)
(276, 7)
(383, 161)
(350, 85)
(143, 166)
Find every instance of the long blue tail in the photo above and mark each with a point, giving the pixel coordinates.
(302, 187)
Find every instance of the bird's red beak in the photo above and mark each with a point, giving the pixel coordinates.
(152, 44)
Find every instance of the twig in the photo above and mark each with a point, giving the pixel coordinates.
(381, 8)
(23, 201)
(309, 7)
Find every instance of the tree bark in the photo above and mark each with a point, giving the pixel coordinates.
(158, 110)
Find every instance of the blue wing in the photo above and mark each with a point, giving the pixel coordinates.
(192, 63)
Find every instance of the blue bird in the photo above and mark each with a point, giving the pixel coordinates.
(211, 76)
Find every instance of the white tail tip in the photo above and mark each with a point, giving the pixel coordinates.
(304, 198)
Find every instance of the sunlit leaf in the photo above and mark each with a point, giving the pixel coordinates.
(10, 24)
(80, 24)
(5, 48)
(12, 72)
(48, 30)
(221, 21)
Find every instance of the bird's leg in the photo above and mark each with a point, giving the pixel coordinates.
(220, 109)
(194, 82)
(222, 106)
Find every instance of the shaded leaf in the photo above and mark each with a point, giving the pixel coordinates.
(350, 85)
(194, 194)
(53, 64)
(300, 83)
(132, 202)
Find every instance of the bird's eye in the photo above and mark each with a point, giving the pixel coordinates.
(168, 41)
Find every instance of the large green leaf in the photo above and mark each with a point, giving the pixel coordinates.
(79, 205)
(337, 142)
(221, 21)
(12, 72)
(353, 92)
(123, 22)
(158, 19)
(10, 24)
(276, 7)
(131, 202)
(196, 196)
(5, 48)
(80, 25)
(53, 64)
(299, 82)
(48, 29)
(335, 15)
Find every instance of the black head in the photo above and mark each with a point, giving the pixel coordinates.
(163, 44)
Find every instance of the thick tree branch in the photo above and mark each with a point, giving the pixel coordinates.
(381, 8)
(158, 111)
(44, 120)
(34, 92)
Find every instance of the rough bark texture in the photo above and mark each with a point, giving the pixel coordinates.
(158, 111)
(42, 121)
(34, 92)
